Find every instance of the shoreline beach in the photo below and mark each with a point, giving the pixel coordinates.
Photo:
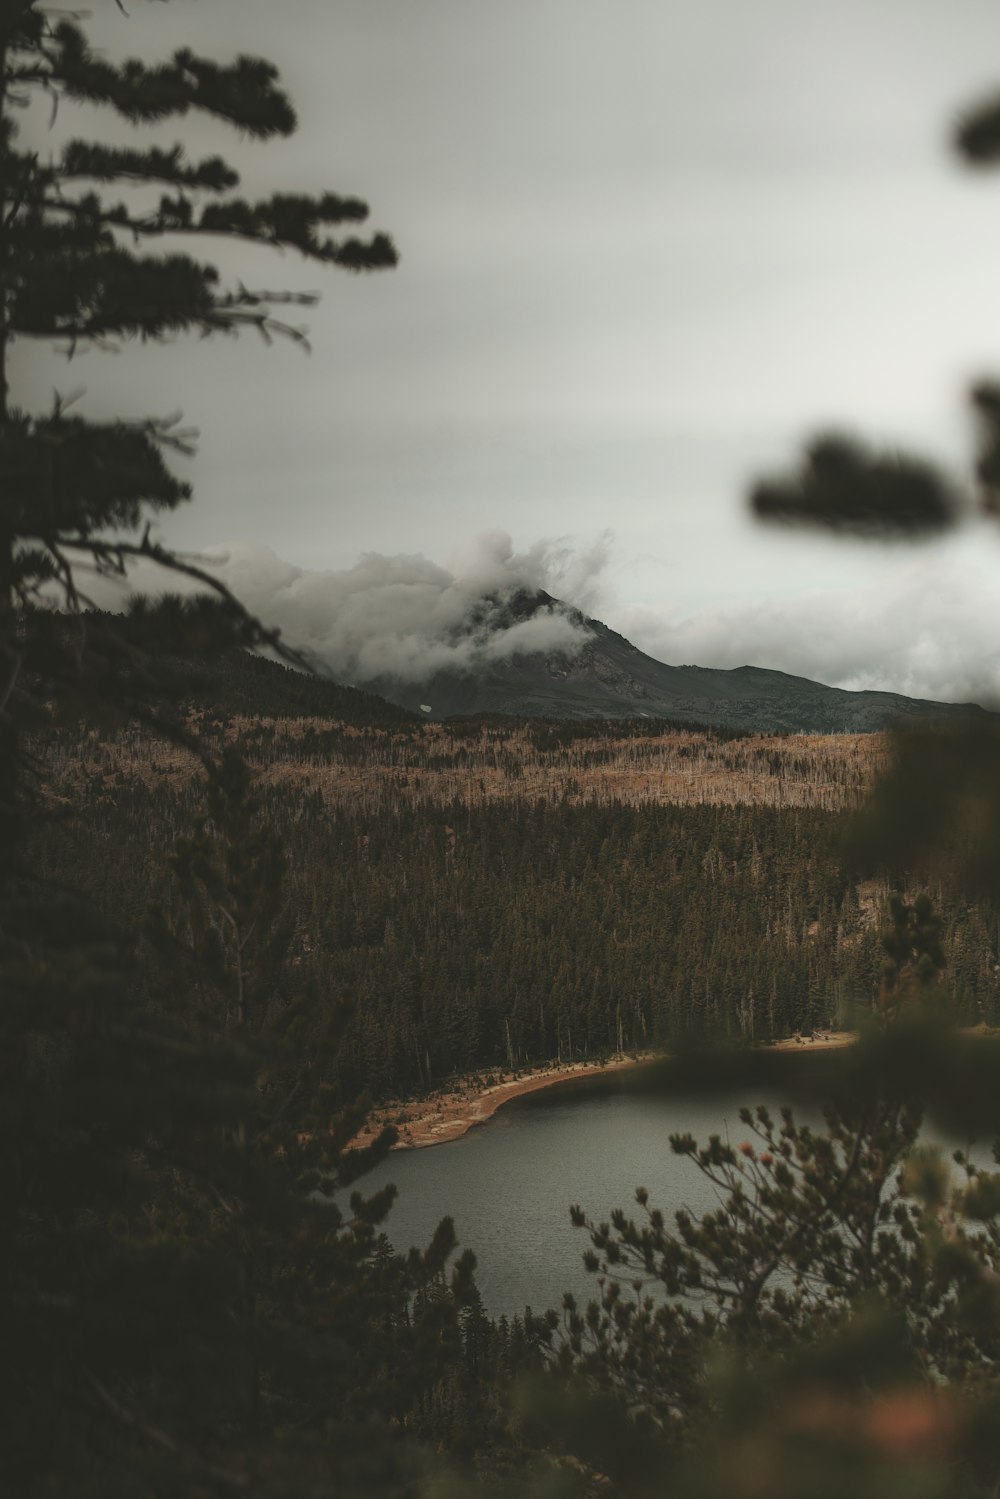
(449, 1114)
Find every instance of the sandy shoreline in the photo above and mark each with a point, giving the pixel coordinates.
(450, 1114)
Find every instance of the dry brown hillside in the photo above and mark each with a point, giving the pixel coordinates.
(368, 767)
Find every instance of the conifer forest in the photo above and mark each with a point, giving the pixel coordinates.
(248, 913)
(622, 926)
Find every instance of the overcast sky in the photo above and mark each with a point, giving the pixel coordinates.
(647, 246)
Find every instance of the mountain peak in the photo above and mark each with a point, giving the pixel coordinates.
(596, 673)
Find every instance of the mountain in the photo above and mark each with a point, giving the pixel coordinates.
(256, 687)
(608, 677)
(605, 678)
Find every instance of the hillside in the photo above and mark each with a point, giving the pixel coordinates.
(611, 678)
(518, 928)
(478, 891)
(604, 678)
(239, 683)
(472, 764)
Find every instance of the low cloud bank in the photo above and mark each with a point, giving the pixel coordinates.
(406, 617)
(933, 632)
(929, 628)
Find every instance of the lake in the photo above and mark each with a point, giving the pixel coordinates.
(509, 1183)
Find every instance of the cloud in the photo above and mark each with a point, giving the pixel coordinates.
(931, 632)
(405, 616)
(927, 628)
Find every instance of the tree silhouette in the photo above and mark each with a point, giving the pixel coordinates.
(80, 262)
(158, 1246)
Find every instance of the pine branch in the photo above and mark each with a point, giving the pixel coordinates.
(276, 223)
(805, 1222)
(224, 318)
(845, 487)
(110, 163)
(245, 93)
(16, 193)
(977, 134)
(63, 473)
(113, 555)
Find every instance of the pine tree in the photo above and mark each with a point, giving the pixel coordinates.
(132, 1199)
(334, 1330)
(80, 262)
(833, 1323)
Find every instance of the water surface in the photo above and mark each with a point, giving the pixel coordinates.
(509, 1183)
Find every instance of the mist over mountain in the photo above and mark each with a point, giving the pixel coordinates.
(602, 675)
(497, 631)
(405, 617)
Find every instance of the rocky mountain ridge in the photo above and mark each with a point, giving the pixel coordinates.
(609, 677)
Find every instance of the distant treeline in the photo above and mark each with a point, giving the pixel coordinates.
(510, 933)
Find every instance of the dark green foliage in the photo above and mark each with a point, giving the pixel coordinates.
(189, 1304)
(447, 931)
(836, 1317)
(189, 1282)
(805, 1226)
(78, 265)
(57, 55)
(230, 873)
(94, 1095)
(986, 409)
(194, 1302)
(845, 487)
(834, 1326)
(938, 804)
(914, 956)
(977, 134)
(199, 669)
(54, 467)
(340, 1335)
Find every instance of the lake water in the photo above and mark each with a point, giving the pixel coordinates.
(509, 1183)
